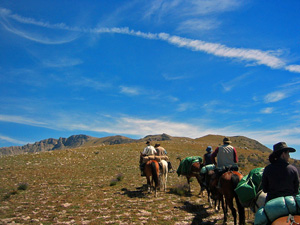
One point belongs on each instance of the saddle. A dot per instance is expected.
(219, 171)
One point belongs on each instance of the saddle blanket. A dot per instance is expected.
(155, 157)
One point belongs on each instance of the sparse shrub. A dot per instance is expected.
(7, 196)
(180, 189)
(113, 182)
(241, 158)
(120, 176)
(22, 186)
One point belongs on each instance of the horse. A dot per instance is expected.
(194, 172)
(163, 175)
(289, 220)
(151, 169)
(228, 182)
(206, 182)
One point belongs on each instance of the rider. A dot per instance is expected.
(207, 156)
(226, 157)
(148, 151)
(160, 152)
(280, 178)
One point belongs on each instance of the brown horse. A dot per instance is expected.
(151, 169)
(194, 172)
(290, 220)
(228, 182)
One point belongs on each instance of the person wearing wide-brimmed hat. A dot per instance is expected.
(226, 159)
(161, 151)
(280, 178)
(226, 155)
(149, 150)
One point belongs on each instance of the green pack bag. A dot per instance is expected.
(185, 164)
(249, 186)
(246, 191)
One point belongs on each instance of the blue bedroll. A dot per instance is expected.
(207, 168)
(277, 207)
(185, 164)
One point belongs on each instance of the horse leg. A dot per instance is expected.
(188, 181)
(148, 184)
(200, 184)
(217, 204)
(229, 201)
(166, 177)
(224, 207)
(241, 211)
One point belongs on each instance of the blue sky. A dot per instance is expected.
(135, 68)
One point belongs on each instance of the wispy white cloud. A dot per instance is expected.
(140, 127)
(128, 125)
(12, 140)
(62, 62)
(6, 15)
(196, 25)
(130, 90)
(160, 9)
(89, 83)
(174, 77)
(267, 110)
(259, 57)
(185, 106)
(275, 96)
(289, 134)
(293, 68)
(237, 81)
(21, 120)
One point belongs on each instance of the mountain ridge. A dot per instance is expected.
(81, 140)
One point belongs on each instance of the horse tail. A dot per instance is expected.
(235, 179)
(154, 173)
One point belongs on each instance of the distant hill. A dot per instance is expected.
(237, 141)
(81, 140)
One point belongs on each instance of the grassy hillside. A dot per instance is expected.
(102, 185)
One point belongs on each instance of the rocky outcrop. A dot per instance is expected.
(49, 144)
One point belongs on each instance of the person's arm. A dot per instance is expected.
(214, 155)
(204, 159)
(235, 158)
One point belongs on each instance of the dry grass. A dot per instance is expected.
(74, 187)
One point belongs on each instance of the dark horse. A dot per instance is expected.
(206, 182)
(151, 169)
(228, 182)
(194, 172)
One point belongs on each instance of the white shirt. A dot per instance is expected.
(149, 150)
